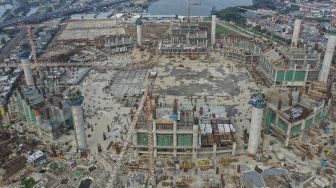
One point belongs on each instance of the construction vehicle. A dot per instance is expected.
(225, 162)
(317, 90)
(187, 165)
(203, 164)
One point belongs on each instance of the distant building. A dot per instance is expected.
(184, 39)
(291, 67)
(184, 129)
(36, 157)
(291, 114)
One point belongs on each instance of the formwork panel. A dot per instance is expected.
(142, 139)
(300, 75)
(280, 75)
(269, 119)
(309, 124)
(312, 75)
(164, 139)
(33, 117)
(318, 117)
(296, 129)
(289, 75)
(184, 139)
(282, 125)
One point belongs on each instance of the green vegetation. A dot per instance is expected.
(143, 3)
(263, 3)
(222, 31)
(235, 14)
(3, 41)
(47, 8)
(29, 183)
(232, 14)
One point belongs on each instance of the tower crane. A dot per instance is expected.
(144, 102)
(30, 34)
(190, 4)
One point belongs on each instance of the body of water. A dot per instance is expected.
(179, 7)
(3, 8)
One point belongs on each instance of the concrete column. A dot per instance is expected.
(284, 79)
(154, 139)
(329, 53)
(175, 138)
(288, 135)
(139, 35)
(314, 112)
(53, 112)
(255, 130)
(62, 115)
(294, 72)
(50, 133)
(26, 65)
(296, 32)
(38, 121)
(29, 114)
(275, 79)
(135, 143)
(214, 150)
(234, 148)
(77, 113)
(307, 71)
(195, 141)
(10, 108)
(213, 29)
(302, 129)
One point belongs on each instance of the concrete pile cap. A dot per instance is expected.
(258, 100)
(74, 98)
(23, 55)
(214, 11)
(138, 21)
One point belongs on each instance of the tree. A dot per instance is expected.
(232, 14)
(29, 183)
(3, 41)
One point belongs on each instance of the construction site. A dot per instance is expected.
(115, 103)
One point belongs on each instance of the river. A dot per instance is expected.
(179, 7)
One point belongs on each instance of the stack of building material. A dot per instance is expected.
(318, 90)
